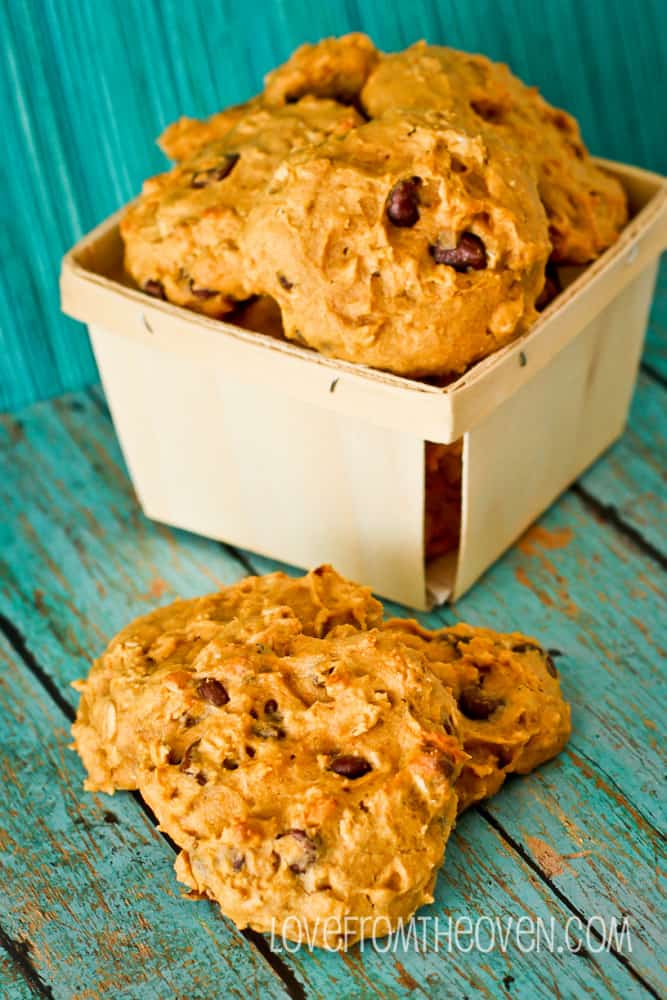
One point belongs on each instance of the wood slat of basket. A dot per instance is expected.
(103, 581)
(88, 891)
(655, 354)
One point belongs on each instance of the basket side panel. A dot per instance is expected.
(539, 440)
(253, 467)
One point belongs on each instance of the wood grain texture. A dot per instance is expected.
(14, 985)
(655, 353)
(86, 86)
(89, 893)
(79, 560)
(631, 479)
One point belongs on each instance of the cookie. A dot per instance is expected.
(442, 493)
(184, 137)
(308, 758)
(409, 244)
(512, 714)
(586, 207)
(334, 67)
(302, 759)
(182, 235)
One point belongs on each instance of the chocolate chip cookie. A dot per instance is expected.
(182, 235)
(513, 716)
(442, 497)
(335, 68)
(307, 758)
(586, 207)
(409, 243)
(303, 760)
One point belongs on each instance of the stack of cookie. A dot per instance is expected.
(308, 757)
(401, 211)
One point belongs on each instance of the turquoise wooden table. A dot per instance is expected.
(90, 906)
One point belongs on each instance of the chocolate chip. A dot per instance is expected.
(270, 707)
(285, 282)
(552, 670)
(186, 762)
(309, 850)
(174, 757)
(444, 762)
(202, 178)
(229, 764)
(237, 860)
(468, 254)
(254, 714)
(201, 778)
(403, 202)
(476, 705)
(349, 766)
(155, 288)
(213, 692)
(524, 647)
(202, 293)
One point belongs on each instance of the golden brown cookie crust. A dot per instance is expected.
(335, 68)
(184, 137)
(306, 776)
(586, 207)
(513, 716)
(183, 234)
(354, 284)
(307, 758)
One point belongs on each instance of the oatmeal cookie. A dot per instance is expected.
(184, 137)
(408, 244)
(513, 715)
(182, 235)
(586, 207)
(304, 776)
(334, 67)
(442, 497)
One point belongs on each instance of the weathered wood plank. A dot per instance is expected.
(43, 434)
(588, 591)
(13, 983)
(72, 530)
(88, 885)
(631, 478)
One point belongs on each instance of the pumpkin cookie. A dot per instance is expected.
(303, 760)
(409, 244)
(307, 758)
(334, 67)
(513, 716)
(442, 493)
(184, 137)
(182, 235)
(586, 207)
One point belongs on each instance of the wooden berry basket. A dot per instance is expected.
(272, 447)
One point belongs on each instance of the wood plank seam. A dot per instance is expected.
(654, 374)
(17, 641)
(609, 514)
(532, 864)
(19, 953)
